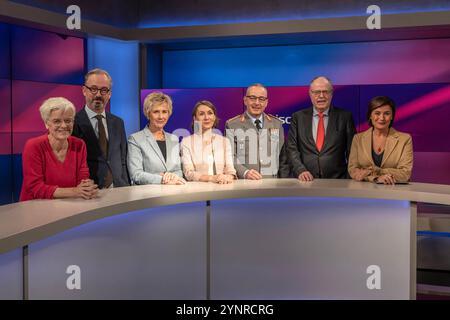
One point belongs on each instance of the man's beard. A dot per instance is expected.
(98, 104)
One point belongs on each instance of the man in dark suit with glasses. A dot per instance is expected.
(320, 137)
(103, 133)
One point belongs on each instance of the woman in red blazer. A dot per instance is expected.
(54, 164)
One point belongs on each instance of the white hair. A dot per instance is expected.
(57, 103)
(323, 77)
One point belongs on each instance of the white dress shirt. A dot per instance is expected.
(315, 123)
(92, 117)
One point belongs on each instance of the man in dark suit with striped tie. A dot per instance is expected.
(320, 137)
(103, 133)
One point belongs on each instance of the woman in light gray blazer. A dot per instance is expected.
(153, 154)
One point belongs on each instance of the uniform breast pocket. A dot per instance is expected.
(274, 136)
(241, 144)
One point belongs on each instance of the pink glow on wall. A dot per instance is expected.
(425, 103)
(411, 61)
(28, 97)
(46, 56)
(5, 117)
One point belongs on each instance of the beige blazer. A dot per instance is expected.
(195, 162)
(397, 158)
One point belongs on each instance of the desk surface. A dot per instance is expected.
(26, 222)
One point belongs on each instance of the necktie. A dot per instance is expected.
(258, 124)
(103, 142)
(320, 133)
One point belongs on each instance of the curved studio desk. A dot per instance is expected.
(269, 239)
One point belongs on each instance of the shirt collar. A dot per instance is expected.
(254, 119)
(91, 114)
(316, 113)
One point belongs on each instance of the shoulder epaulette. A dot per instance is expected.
(231, 119)
(270, 117)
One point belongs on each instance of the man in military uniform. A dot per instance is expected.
(257, 137)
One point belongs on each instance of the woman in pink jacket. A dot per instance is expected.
(207, 156)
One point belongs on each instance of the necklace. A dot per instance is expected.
(158, 135)
(378, 142)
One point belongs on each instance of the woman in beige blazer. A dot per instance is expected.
(205, 155)
(381, 154)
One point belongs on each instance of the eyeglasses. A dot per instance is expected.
(318, 92)
(254, 98)
(59, 122)
(94, 90)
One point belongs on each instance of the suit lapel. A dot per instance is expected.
(195, 144)
(169, 147)
(110, 125)
(308, 128)
(265, 129)
(89, 131)
(86, 122)
(269, 123)
(331, 128)
(270, 129)
(84, 117)
(366, 144)
(154, 145)
(391, 142)
(218, 151)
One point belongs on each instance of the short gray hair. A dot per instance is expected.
(255, 85)
(326, 78)
(155, 98)
(57, 103)
(98, 71)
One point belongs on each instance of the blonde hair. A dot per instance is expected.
(156, 98)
